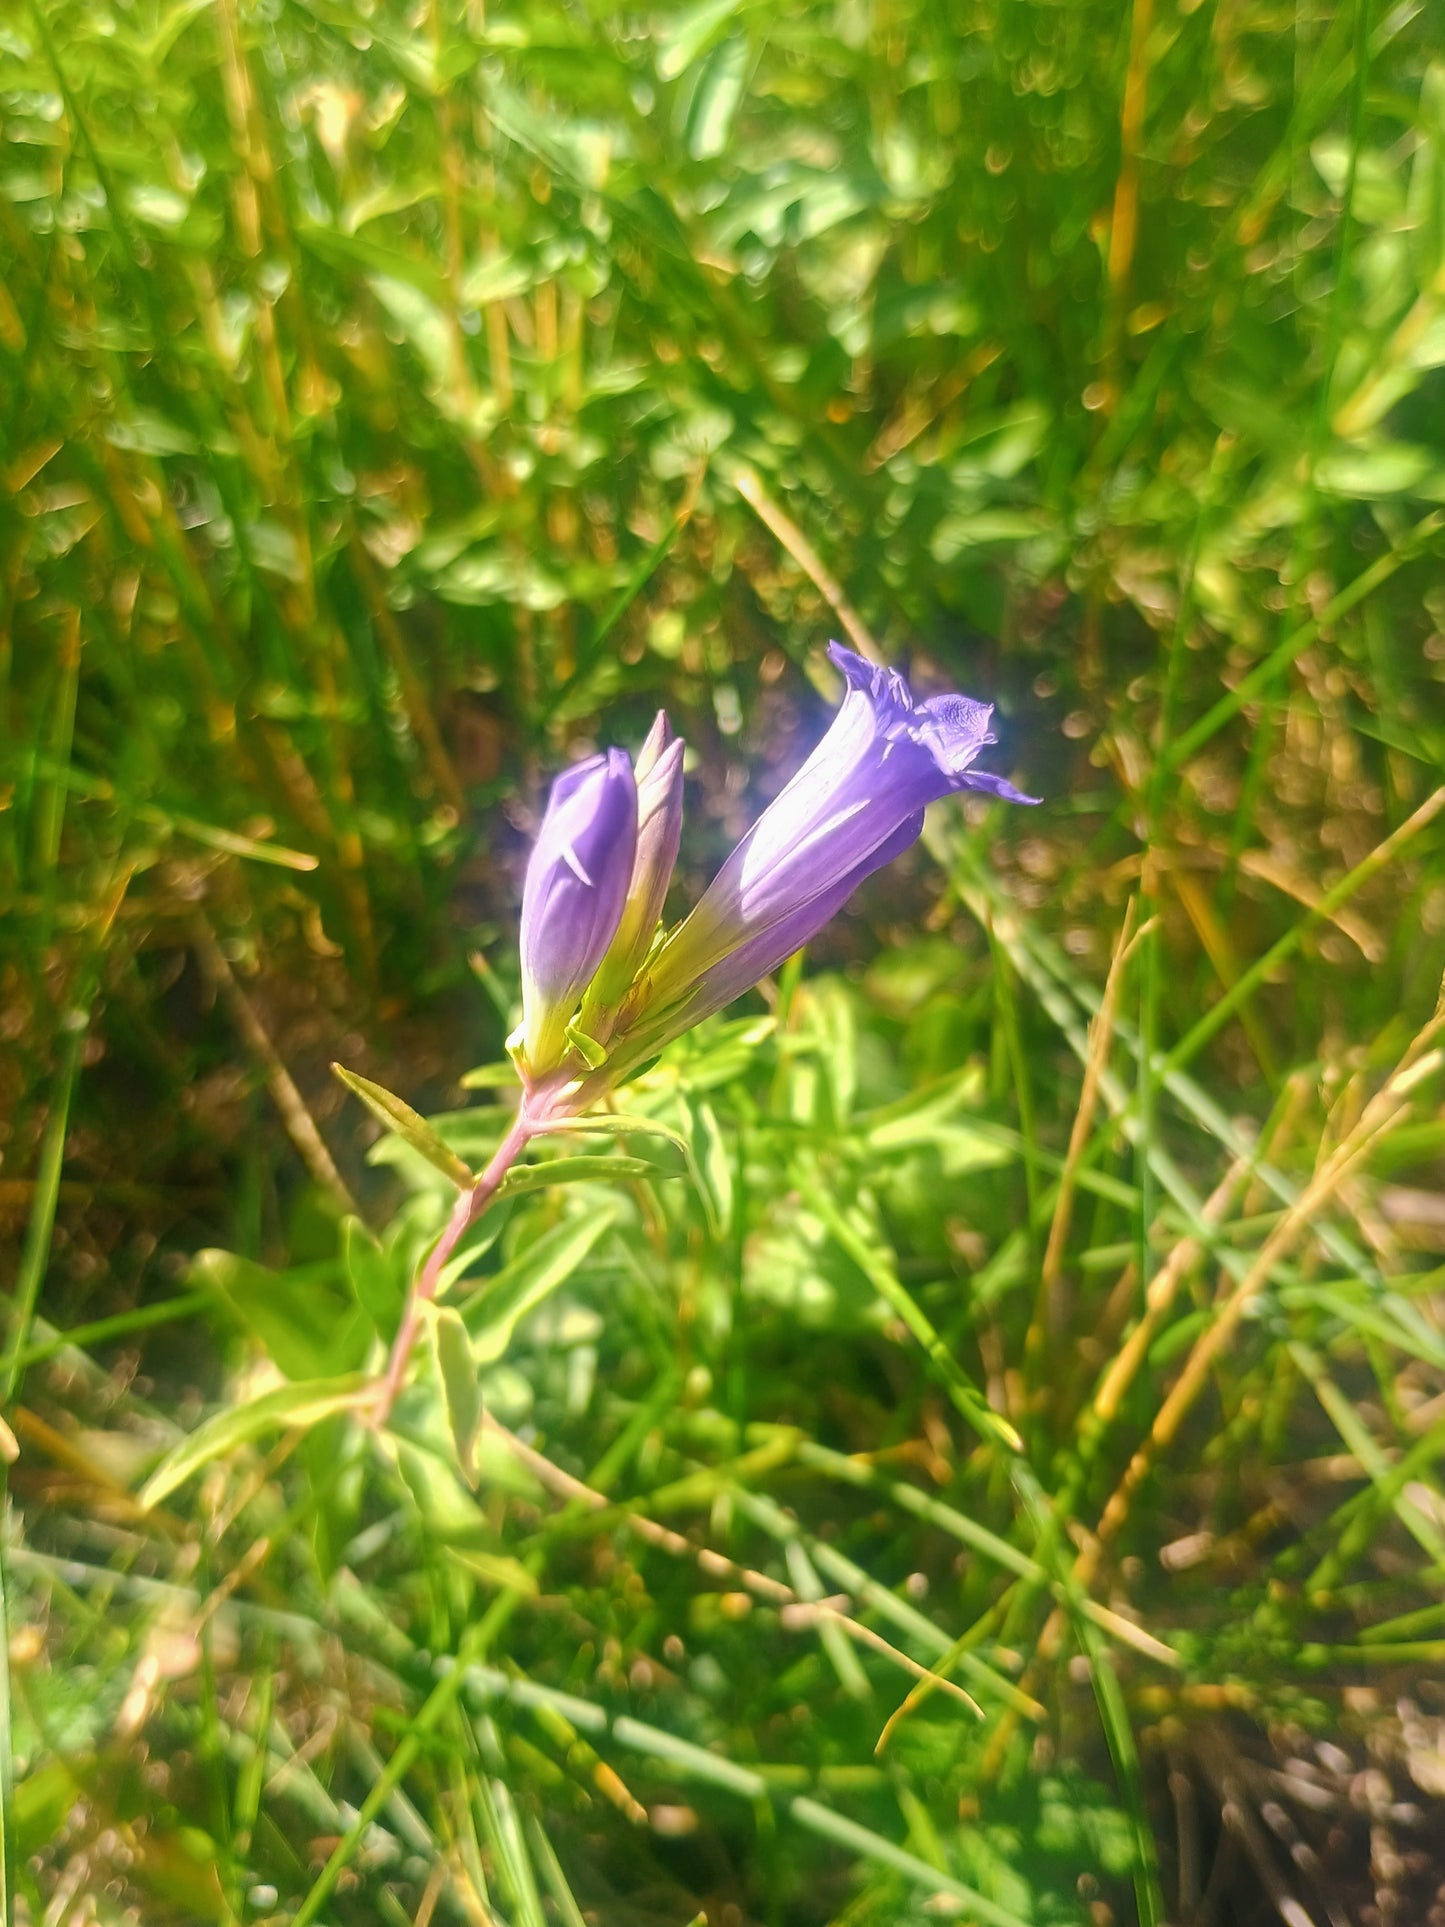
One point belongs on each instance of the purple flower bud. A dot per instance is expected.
(856, 803)
(658, 774)
(573, 899)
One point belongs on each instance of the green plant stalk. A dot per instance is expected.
(1308, 521)
(488, 1685)
(473, 1648)
(100, 1329)
(469, 1207)
(27, 1293)
(42, 1215)
(1298, 640)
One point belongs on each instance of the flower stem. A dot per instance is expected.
(469, 1207)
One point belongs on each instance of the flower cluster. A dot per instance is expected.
(603, 986)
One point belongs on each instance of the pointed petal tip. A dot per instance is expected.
(655, 745)
(858, 670)
(978, 779)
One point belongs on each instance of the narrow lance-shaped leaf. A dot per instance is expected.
(413, 1129)
(304, 1404)
(494, 1313)
(628, 1123)
(378, 1290)
(302, 1317)
(616, 1124)
(460, 1376)
(583, 1170)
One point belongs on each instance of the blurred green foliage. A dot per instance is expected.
(396, 400)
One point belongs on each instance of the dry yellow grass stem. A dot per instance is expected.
(1161, 1293)
(1293, 883)
(301, 1127)
(1101, 1037)
(1375, 1120)
(805, 555)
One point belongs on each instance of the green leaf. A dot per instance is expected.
(927, 1118)
(877, 1267)
(496, 1569)
(1381, 469)
(413, 1129)
(304, 1322)
(303, 1404)
(712, 1160)
(719, 1054)
(629, 1123)
(460, 1377)
(593, 1054)
(339, 249)
(715, 99)
(617, 1124)
(171, 25)
(143, 432)
(495, 1312)
(583, 1170)
(379, 1291)
(689, 33)
(42, 1800)
(981, 527)
(497, 277)
(491, 1077)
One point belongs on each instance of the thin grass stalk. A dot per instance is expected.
(1379, 1116)
(1044, 1322)
(301, 1127)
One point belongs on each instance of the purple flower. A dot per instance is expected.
(573, 899)
(658, 774)
(855, 804)
(762, 954)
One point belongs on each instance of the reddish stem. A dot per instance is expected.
(469, 1207)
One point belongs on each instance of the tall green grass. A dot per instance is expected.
(395, 401)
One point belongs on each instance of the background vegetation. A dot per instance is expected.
(399, 399)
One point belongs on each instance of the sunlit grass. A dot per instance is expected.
(394, 403)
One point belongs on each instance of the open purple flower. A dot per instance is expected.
(855, 804)
(577, 885)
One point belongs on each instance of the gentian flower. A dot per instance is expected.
(573, 899)
(658, 775)
(600, 995)
(855, 804)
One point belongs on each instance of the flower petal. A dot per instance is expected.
(658, 775)
(573, 898)
(856, 802)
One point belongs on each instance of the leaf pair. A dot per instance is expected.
(423, 1138)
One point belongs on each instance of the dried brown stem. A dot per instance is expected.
(301, 1127)
(1101, 1035)
(806, 556)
